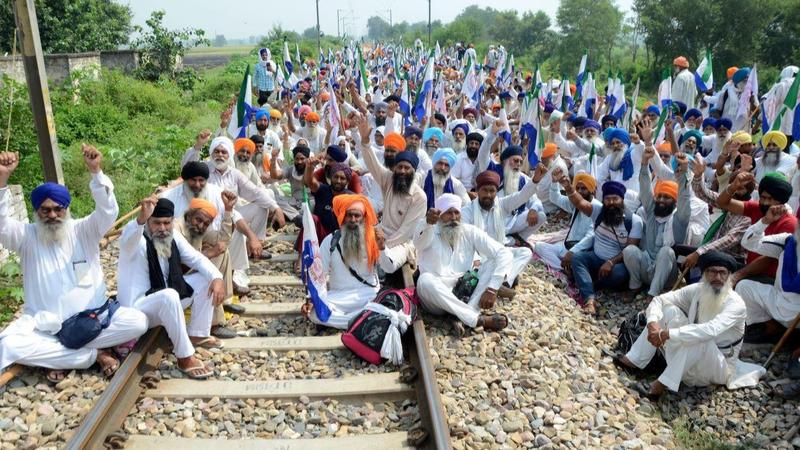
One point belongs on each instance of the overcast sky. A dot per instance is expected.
(243, 18)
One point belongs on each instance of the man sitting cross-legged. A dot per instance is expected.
(349, 260)
(446, 250)
(152, 281)
(699, 329)
(61, 275)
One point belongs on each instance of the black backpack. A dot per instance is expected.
(629, 331)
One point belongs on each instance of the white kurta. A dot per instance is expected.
(165, 307)
(441, 266)
(697, 354)
(346, 296)
(464, 170)
(62, 279)
(684, 88)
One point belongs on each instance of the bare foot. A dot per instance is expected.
(55, 376)
(495, 322)
(590, 307)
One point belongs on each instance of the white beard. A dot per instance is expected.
(510, 180)
(771, 160)
(459, 146)
(312, 132)
(53, 233)
(438, 183)
(220, 164)
(710, 302)
(163, 246)
(450, 235)
(241, 166)
(351, 243)
(616, 159)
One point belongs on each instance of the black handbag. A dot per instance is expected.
(466, 285)
(84, 327)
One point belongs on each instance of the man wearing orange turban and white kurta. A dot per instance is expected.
(683, 84)
(543, 175)
(349, 259)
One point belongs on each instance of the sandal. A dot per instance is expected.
(590, 308)
(107, 362)
(458, 328)
(208, 342)
(56, 376)
(490, 323)
(123, 350)
(222, 332)
(192, 373)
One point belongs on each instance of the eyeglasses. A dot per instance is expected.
(44, 210)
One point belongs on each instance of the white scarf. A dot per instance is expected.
(668, 237)
(392, 347)
(499, 232)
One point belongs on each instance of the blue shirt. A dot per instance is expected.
(263, 80)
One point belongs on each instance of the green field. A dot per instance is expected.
(227, 50)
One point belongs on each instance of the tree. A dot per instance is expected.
(310, 33)
(591, 25)
(378, 29)
(781, 43)
(69, 26)
(160, 47)
(220, 41)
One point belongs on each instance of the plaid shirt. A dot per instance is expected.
(729, 236)
(263, 80)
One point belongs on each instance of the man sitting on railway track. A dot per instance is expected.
(404, 202)
(152, 281)
(255, 213)
(349, 260)
(62, 275)
(195, 224)
(446, 251)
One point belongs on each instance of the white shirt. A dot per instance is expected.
(504, 207)
(684, 88)
(464, 170)
(133, 263)
(63, 278)
(436, 257)
(339, 277)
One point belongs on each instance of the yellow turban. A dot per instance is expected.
(203, 205)
(742, 137)
(775, 137)
(274, 114)
(587, 180)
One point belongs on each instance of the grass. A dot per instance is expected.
(11, 294)
(695, 439)
(227, 50)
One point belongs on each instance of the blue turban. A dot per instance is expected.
(511, 150)
(579, 122)
(693, 113)
(431, 132)
(445, 153)
(549, 107)
(681, 106)
(696, 135)
(464, 127)
(723, 122)
(409, 157)
(619, 133)
(593, 124)
(54, 192)
(653, 109)
(741, 75)
(412, 131)
(709, 122)
(337, 154)
(613, 188)
(261, 114)
(607, 134)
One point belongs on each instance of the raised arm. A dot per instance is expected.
(12, 231)
(725, 199)
(378, 171)
(308, 175)
(645, 186)
(754, 239)
(106, 209)
(580, 203)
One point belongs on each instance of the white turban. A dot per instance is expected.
(225, 142)
(447, 201)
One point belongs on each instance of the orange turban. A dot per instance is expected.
(587, 180)
(395, 140)
(312, 117)
(244, 143)
(324, 97)
(681, 61)
(344, 202)
(669, 188)
(550, 149)
(572, 89)
(731, 71)
(203, 205)
(664, 147)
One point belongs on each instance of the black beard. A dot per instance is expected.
(388, 162)
(487, 205)
(472, 154)
(742, 197)
(764, 208)
(402, 183)
(612, 215)
(261, 127)
(662, 210)
(380, 121)
(299, 168)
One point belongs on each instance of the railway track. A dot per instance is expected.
(137, 386)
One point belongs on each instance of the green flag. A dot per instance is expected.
(788, 104)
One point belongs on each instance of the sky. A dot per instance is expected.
(251, 17)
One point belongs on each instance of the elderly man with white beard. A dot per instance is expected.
(542, 175)
(489, 213)
(459, 132)
(244, 149)
(311, 132)
(528, 218)
(62, 276)
(438, 181)
(255, 213)
(774, 158)
(446, 251)
(349, 260)
(623, 163)
(699, 330)
(150, 257)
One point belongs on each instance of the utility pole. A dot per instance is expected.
(429, 23)
(319, 45)
(338, 33)
(38, 92)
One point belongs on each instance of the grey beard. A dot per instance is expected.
(450, 234)
(220, 164)
(438, 183)
(459, 146)
(241, 165)
(312, 132)
(711, 300)
(351, 244)
(53, 233)
(510, 180)
(771, 159)
(189, 193)
(616, 159)
(163, 246)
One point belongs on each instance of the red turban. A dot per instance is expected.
(312, 117)
(343, 202)
(488, 177)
